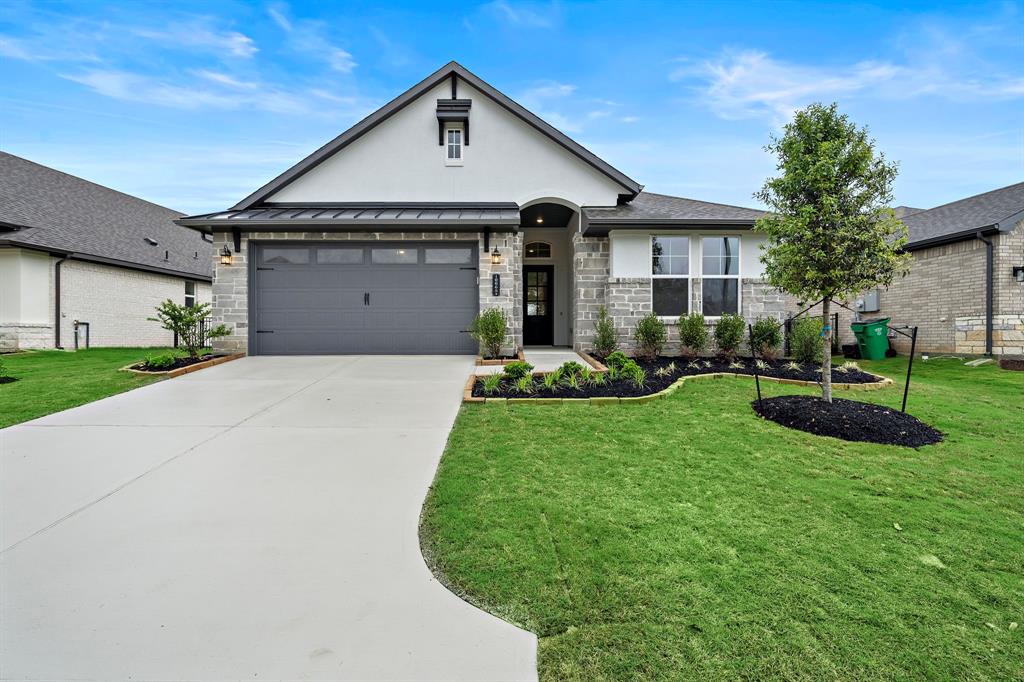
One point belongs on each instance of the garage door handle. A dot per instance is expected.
(366, 299)
(467, 268)
(263, 331)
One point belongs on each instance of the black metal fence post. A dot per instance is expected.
(753, 355)
(910, 366)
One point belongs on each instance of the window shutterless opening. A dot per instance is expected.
(453, 146)
(190, 294)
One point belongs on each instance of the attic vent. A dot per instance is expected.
(151, 241)
(453, 111)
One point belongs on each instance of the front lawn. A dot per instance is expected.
(688, 538)
(53, 380)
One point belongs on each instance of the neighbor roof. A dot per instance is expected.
(997, 210)
(649, 209)
(374, 215)
(451, 68)
(44, 209)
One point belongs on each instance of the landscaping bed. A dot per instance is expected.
(658, 375)
(848, 420)
(177, 363)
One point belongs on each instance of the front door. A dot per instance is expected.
(538, 305)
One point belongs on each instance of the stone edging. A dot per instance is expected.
(170, 374)
(481, 362)
(468, 397)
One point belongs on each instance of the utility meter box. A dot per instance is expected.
(871, 302)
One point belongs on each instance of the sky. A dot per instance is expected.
(193, 105)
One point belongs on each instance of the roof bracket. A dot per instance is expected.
(236, 234)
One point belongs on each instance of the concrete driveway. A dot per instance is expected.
(255, 520)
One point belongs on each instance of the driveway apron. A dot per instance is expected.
(255, 520)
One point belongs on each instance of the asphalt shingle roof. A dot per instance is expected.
(64, 213)
(649, 206)
(999, 207)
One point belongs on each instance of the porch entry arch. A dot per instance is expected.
(548, 225)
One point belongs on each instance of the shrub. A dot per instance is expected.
(516, 370)
(605, 341)
(650, 335)
(551, 380)
(693, 335)
(616, 360)
(525, 384)
(570, 367)
(805, 340)
(3, 369)
(161, 362)
(634, 374)
(187, 323)
(491, 383)
(489, 329)
(729, 334)
(765, 338)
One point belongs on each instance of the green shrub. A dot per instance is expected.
(570, 367)
(765, 338)
(161, 361)
(729, 334)
(526, 385)
(605, 341)
(3, 368)
(516, 370)
(551, 380)
(634, 374)
(616, 360)
(187, 323)
(490, 329)
(693, 335)
(491, 383)
(805, 342)
(650, 335)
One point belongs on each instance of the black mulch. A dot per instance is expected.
(180, 362)
(654, 382)
(8, 380)
(848, 420)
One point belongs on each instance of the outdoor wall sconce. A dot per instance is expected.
(495, 256)
(225, 255)
(1018, 273)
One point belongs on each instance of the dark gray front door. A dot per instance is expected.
(355, 297)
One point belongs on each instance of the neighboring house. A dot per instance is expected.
(452, 199)
(79, 259)
(965, 290)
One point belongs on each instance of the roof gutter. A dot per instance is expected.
(952, 238)
(56, 299)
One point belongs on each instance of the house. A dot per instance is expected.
(965, 290)
(452, 199)
(82, 264)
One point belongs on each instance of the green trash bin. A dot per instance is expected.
(872, 337)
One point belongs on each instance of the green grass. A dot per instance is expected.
(51, 381)
(688, 539)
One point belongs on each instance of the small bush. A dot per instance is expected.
(616, 360)
(605, 341)
(634, 374)
(3, 368)
(729, 334)
(490, 329)
(525, 385)
(570, 367)
(765, 338)
(516, 370)
(693, 335)
(650, 335)
(188, 322)
(552, 380)
(805, 340)
(161, 362)
(491, 383)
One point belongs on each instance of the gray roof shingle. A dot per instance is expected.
(998, 209)
(51, 210)
(660, 209)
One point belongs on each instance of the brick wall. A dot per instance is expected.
(116, 302)
(231, 282)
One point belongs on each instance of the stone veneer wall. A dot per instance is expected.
(231, 282)
(1007, 335)
(590, 264)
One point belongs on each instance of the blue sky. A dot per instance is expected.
(195, 104)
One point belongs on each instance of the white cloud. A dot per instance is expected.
(225, 79)
(529, 15)
(306, 36)
(548, 90)
(277, 12)
(197, 34)
(341, 61)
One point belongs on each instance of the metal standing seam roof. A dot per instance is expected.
(997, 210)
(47, 210)
(362, 215)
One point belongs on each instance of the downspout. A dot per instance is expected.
(989, 292)
(56, 301)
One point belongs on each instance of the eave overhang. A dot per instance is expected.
(601, 228)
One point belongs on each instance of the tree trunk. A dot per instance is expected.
(826, 351)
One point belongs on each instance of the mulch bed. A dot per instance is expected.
(179, 363)
(1011, 363)
(848, 420)
(625, 389)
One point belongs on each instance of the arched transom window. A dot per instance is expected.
(538, 250)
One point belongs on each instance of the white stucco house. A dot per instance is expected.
(82, 264)
(452, 199)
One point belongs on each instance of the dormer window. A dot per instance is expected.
(453, 146)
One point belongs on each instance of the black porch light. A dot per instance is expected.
(496, 256)
(1018, 273)
(225, 255)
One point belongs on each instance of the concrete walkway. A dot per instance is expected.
(543, 359)
(256, 520)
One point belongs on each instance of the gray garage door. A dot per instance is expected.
(382, 298)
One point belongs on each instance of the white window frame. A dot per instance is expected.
(192, 295)
(738, 276)
(688, 276)
(448, 129)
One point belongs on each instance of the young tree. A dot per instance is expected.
(830, 231)
(187, 323)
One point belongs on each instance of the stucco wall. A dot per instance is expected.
(401, 160)
(631, 251)
(26, 317)
(231, 282)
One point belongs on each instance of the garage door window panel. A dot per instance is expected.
(282, 256)
(449, 256)
(331, 256)
(398, 256)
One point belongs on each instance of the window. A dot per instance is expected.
(394, 256)
(331, 256)
(448, 256)
(720, 268)
(670, 272)
(538, 250)
(285, 255)
(537, 287)
(190, 294)
(453, 146)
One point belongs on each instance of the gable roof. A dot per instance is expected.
(996, 210)
(649, 209)
(44, 209)
(631, 187)
(904, 211)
